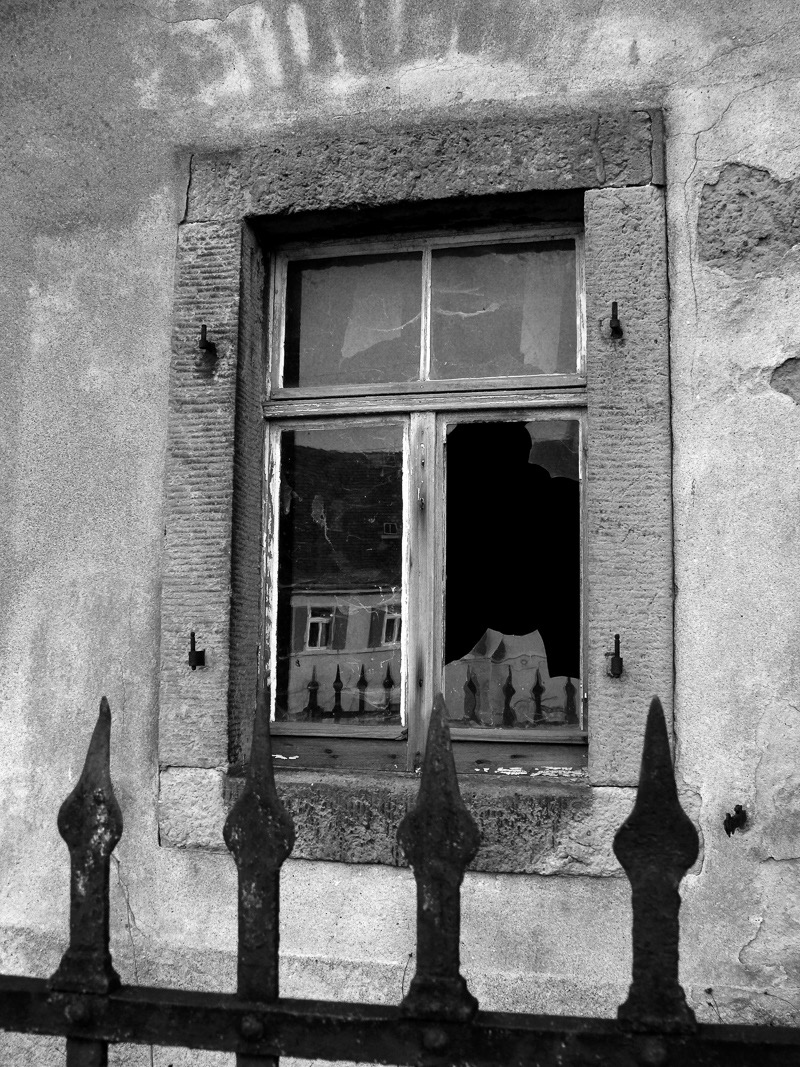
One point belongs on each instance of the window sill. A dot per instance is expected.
(529, 824)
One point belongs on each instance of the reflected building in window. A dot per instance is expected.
(339, 575)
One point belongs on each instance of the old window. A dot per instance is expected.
(426, 435)
(602, 175)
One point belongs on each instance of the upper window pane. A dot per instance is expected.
(353, 319)
(500, 310)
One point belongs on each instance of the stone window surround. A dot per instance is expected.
(214, 477)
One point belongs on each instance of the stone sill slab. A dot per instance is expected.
(544, 826)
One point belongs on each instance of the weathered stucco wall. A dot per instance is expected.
(100, 101)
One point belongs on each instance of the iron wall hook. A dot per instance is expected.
(209, 346)
(615, 660)
(197, 657)
(614, 324)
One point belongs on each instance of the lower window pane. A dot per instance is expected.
(513, 589)
(339, 574)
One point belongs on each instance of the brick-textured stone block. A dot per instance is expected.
(191, 812)
(196, 587)
(501, 151)
(629, 510)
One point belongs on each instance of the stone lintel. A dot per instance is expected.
(312, 167)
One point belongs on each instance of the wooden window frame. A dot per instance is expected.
(427, 407)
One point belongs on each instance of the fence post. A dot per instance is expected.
(439, 838)
(90, 821)
(656, 845)
(260, 834)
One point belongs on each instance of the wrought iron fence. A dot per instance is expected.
(438, 1021)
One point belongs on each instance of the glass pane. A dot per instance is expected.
(353, 319)
(339, 574)
(512, 602)
(504, 310)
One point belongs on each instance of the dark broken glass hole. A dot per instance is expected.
(512, 598)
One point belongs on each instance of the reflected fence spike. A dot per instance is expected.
(509, 715)
(536, 692)
(470, 698)
(312, 710)
(439, 838)
(656, 846)
(90, 821)
(570, 707)
(361, 686)
(338, 686)
(388, 686)
(259, 832)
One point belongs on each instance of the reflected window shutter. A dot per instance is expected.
(339, 635)
(376, 617)
(299, 622)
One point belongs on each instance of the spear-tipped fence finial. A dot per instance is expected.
(260, 833)
(90, 821)
(656, 846)
(439, 838)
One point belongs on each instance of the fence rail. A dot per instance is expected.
(438, 1021)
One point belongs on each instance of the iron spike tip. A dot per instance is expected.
(97, 765)
(95, 783)
(656, 753)
(438, 740)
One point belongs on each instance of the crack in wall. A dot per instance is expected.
(130, 924)
(184, 22)
(188, 189)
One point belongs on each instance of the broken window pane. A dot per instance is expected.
(353, 319)
(339, 574)
(513, 582)
(501, 310)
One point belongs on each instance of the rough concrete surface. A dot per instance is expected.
(102, 105)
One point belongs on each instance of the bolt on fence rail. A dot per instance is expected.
(438, 1022)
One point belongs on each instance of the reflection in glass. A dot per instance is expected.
(504, 310)
(512, 599)
(353, 319)
(339, 612)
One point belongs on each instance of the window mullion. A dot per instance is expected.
(420, 585)
(272, 466)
